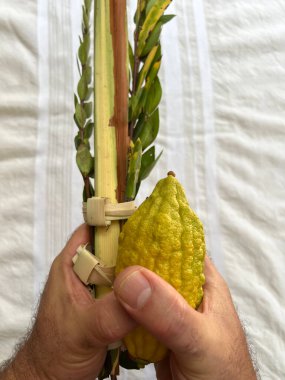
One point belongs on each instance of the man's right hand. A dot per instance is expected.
(208, 344)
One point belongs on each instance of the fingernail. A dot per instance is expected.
(134, 290)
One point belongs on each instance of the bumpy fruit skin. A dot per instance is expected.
(165, 236)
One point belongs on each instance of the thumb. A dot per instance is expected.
(158, 307)
(106, 321)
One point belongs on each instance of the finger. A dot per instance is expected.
(212, 275)
(157, 306)
(217, 298)
(62, 267)
(80, 236)
(107, 321)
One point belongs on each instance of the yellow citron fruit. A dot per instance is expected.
(165, 236)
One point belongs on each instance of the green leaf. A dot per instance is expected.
(91, 173)
(142, 5)
(82, 54)
(84, 160)
(85, 18)
(83, 30)
(87, 74)
(152, 74)
(136, 104)
(136, 17)
(77, 140)
(133, 105)
(83, 50)
(147, 159)
(147, 66)
(152, 18)
(86, 42)
(78, 66)
(75, 100)
(89, 92)
(149, 130)
(154, 97)
(134, 170)
(138, 186)
(88, 130)
(82, 89)
(86, 142)
(139, 126)
(80, 115)
(88, 108)
(148, 162)
(76, 122)
(140, 8)
(87, 4)
(142, 100)
(131, 58)
(166, 18)
(150, 4)
(158, 54)
(153, 39)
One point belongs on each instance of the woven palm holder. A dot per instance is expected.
(99, 212)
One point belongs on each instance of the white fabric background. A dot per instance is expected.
(222, 132)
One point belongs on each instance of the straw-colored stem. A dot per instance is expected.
(106, 240)
(111, 120)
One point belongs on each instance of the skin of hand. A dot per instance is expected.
(72, 330)
(208, 344)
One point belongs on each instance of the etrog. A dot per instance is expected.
(165, 236)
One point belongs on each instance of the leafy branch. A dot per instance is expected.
(143, 118)
(145, 90)
(84, 106)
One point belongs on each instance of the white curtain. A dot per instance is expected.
(222, 131)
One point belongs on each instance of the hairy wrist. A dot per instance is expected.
(17, 369)
(22, 366)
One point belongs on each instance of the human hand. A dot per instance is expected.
(72, 330)
(208, 344)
